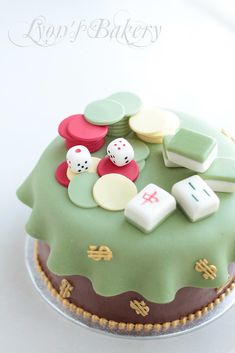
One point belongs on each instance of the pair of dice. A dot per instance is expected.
(120, 153)
(153, 205)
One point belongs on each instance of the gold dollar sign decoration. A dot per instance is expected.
(98, 253)
(140, 307)
(208, 271)
(65, 288)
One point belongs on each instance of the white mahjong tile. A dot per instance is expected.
(150, 207)
(195, 197)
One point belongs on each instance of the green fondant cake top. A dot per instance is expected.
(192, 144)
(222, 169)
(156, 265)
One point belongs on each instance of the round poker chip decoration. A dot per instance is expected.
(113, 191)
(104, 112)
(152, 124)
(80, 190)
(92, 147)
(130, 171)
(132, 104)
(130, 101)
(61, 174)
(76, 130)
(80, 129)
(70, 174)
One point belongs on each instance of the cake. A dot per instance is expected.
(98, 253)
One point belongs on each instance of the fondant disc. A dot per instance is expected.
(70, 174)
(61, 174)
(94, 165)
(81, 188)
(131, 170)
(150, 139)
(114, 191)
(141, 165)
(92, 147)
(80, 129)
(62, 129)
(104, 112)
(140, 148)
(131, 102)
(153, 121)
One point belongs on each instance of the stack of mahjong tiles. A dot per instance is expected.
(194, 195)
(152, 124)
(191, 149)
(114, 111)
(198, 152)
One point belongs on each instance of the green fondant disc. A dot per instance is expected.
(119, 127)
(140, 148)
(80, 190)
(131, 102)
(104, 112)
(122, 123)
(118, 133)
(141, 165)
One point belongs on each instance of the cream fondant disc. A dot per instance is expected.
(113, 191)
(70, 174)
(93, 167)
(150, 139)
(154, 121)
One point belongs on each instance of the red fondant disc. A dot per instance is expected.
(62, 129)
(92, 147)
(131, 170)
(70, 143)
(61, 174)
(80, 129)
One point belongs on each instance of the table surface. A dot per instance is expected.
(190, 68)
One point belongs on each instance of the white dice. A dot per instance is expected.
(195, 197)
(149, 208)
(79, 159)
(120, 152)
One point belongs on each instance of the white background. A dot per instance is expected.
(190, 68)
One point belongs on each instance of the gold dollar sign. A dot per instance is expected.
(140, 307)
(65, 288)
(98, 253)
(209, 271)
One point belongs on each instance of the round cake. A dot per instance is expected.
(121, 262)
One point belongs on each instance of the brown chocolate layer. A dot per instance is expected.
(187, 300)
